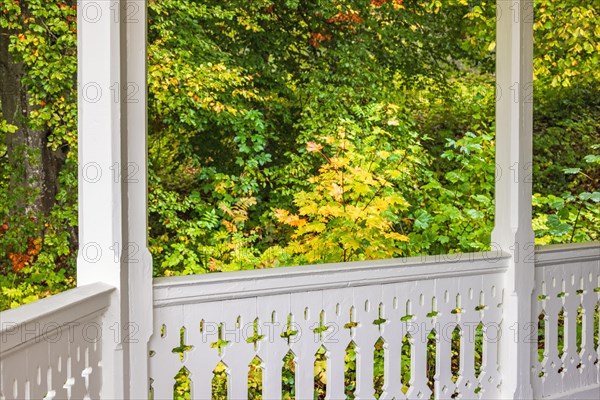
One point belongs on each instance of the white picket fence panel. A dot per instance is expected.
(51, 349)
(406, 297)
(567, 299)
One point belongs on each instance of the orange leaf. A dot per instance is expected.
(19, 260)
(313, 147)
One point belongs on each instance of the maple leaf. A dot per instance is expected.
(313, 147)
(397, 236)
(285, 217)
(337, 191)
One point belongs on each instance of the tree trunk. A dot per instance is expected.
(33, 165)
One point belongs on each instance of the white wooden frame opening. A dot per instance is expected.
(113, 174)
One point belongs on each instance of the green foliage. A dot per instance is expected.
(567, 47)
(37, 252)
(571, 217)
(37, 261)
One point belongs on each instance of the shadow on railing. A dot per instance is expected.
(52, 348)
(566, 313)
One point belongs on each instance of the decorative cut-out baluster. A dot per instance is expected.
(432, 339)
(28, 390)
(552, 304)
(587, 354)
(274, 310)
(445, 322)
(165, 364)
(49, 396)
(85, 374)
(320, 374)
(542, 350)
(597, 332)
(579, 330)
(68, 386)
(255, 381)
(365, 336)
(350, 370)
(335, 339)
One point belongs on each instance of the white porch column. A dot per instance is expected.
(112, 184)
(513, 232)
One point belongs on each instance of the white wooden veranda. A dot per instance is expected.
(113, 336)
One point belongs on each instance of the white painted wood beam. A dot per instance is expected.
(513, 232)
(112, 183)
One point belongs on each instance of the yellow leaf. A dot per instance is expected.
(397, 236)
(337, 191)
(383, 154)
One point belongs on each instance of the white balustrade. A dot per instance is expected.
(51, 349)
(440, 317)
(565, 307)
(236, 318)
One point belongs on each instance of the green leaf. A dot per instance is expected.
(592, 158)
(423, 219)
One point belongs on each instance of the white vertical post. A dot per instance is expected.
(134, 97)
(513, 232)
(112, 184)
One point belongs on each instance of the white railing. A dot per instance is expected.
(442, 313)
(51, 349)
(391, 329)
(566, 303)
